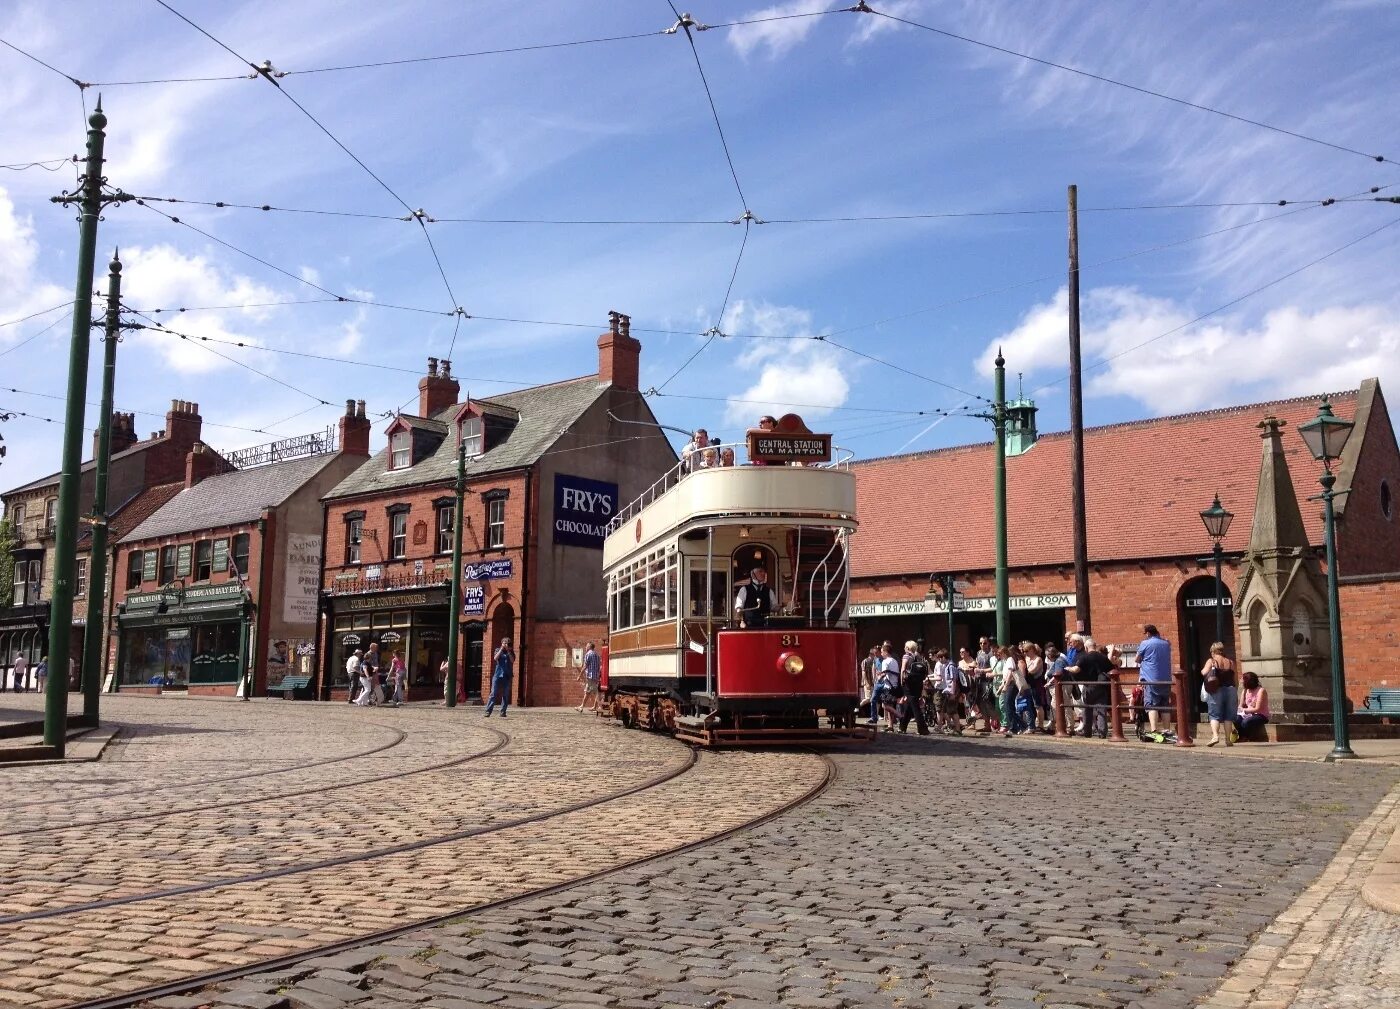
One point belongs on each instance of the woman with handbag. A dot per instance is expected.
(1220, 693)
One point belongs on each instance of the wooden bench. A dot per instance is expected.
(291, 685)
(1380, 702)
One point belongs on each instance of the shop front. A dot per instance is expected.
(1039, 618)
(411, 623)
(180, 638)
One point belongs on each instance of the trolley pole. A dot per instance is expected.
(1003, 581)
(455, 594)
(97, 561)
(66, 527)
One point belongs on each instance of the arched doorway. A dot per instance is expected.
(1198, 603)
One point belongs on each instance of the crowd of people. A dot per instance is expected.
(1013, 689)
(24, 677)
(704, 452)
(372, 682)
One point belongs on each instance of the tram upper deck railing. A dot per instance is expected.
(673, 476)
(781, 494)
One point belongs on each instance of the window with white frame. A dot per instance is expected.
(354, 532)
(16, 521)
(471, 437)
(496, 523)
(80, 577)
(50, 514)
(27, 581)
(398, 535)
(400, 450)
(444, 529)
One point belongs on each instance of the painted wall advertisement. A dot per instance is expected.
(473, 600)
(485, 571)
(582, 510)
(303, 579)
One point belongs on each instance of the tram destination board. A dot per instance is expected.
(785, 446)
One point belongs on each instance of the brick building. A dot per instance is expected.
(546, 469)
(226, 571)
(136, 467)
(1146, 482)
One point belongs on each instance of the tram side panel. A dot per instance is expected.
(811, 664)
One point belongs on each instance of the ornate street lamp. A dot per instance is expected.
(1217, 522)
(1326, 435)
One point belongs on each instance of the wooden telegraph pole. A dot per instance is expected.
(1076, 427)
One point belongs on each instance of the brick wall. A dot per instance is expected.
(1370, 635)
(1368, 543)
(549, 685)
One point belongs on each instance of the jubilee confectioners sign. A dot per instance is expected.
(979, 604)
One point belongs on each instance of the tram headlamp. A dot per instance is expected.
(791, 663)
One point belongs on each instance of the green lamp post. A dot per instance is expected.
(1326, 435)
(1217, 522)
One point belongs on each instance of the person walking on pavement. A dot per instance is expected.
(1222, 695)
(352, 673)
(591, 672)
(1154, 658)
(41, 674)
(913, 670)
(21, 674)
(397, 675)
(500, 678)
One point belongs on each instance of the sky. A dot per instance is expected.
(835, 115)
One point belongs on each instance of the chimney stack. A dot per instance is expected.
(619, 354)
(123, 433)
(436, 392)
(201, 463)
(354, 429)
(183, 424)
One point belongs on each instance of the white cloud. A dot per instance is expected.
(792, 374)
(1290, 351)
(22, 292)
(777, 36)
(872, 25)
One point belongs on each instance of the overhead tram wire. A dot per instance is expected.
(57, 163)
(141, 413)
(711, 222)
(31, 416)
(864, 7)
(156, 324)
(35, 315)
(1220, 308)
(884, 411)
(31, 338)
(49, 66)
(267, 73)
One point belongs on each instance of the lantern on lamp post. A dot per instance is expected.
(1217, 522)
(1325, 436)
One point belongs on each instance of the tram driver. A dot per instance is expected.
(756, 600)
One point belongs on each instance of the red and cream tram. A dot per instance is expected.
(689, 652)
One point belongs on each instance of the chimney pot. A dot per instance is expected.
(625, 324)
(359, 408)
(349, 408)
(432, 367)
(446, 369)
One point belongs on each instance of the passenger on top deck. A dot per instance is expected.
(689, 459)
(765, 423)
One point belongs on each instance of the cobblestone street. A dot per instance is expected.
(930, 872)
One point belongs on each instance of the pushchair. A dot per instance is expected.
(1137, 708)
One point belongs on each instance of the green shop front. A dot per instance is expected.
(182, 637)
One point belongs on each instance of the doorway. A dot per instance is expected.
(1199, 601)
(475, 638)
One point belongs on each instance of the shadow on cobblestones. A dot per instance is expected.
(927, 876)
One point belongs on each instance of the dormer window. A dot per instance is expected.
(400, 450)
(471, 436)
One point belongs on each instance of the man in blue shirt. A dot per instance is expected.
(590, 673)
(1154, 657)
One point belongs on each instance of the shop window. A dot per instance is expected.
(472, 437)
(380, 621)
(167, 565)
(80, 577)
(495, 523)
(203, 560)
(400, 618)
(240, 554)
(342, 623)
(354, 532)
(444, 530)
(400, 450)
(360, 623)
(398, 534)
(133, 569)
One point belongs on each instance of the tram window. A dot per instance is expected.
(673, 601)
(719, 593)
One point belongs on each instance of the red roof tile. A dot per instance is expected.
(1145, 485)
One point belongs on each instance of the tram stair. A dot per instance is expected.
(820, 572)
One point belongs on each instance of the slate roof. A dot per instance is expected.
(423, 423)
(546, 412)
(1146, 483)
(132, 513)
(230, 498)
(52, 479)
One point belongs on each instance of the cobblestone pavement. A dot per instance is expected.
(934, 873)
(1330, 949)
(513, 805)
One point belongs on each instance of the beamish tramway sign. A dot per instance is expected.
(980, 604)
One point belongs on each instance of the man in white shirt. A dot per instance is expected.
(352, 672)
(755, 601)
(694, 456)
(21, 674)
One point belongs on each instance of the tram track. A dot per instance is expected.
(501, 742)
(361, 855)
(398, 738)
(269, 964)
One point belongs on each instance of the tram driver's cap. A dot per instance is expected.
(760, 570)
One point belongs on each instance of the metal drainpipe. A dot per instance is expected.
(524, 650)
